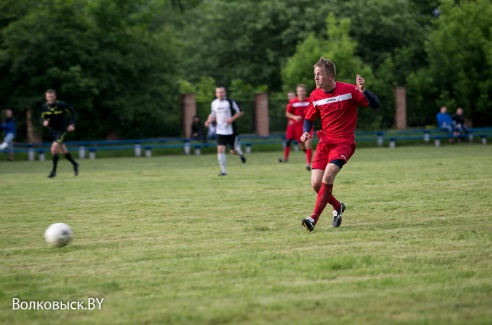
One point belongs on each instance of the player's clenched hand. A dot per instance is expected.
(360, 82)
(70, 128)
(46, 123)
(305, 136)
(209, 120)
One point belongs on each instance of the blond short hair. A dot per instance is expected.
(326, 64)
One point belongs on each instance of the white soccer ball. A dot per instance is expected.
(58, 234)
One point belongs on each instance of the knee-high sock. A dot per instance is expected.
(69, 158)
(309, 156)
(324, 197)
(55, 162)
(286, 153)
(237, 147)
(221, 157)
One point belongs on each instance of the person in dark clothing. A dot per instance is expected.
(59, 117)
(459, 123)
(197, 130)
(8, 126)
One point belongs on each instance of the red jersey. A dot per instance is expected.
(297, 107)
(337, 110)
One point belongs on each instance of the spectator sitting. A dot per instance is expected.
(444, 121)
(459, 123)
(9, 128)
(196, 130)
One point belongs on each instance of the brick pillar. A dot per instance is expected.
(32, 137)
(401, 108)
(188, 111)
(262, 122)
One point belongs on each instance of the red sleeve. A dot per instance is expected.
(359, 97)
(311, 111)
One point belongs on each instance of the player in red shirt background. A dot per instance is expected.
(289, 131)
(295, 111)
(335, 103)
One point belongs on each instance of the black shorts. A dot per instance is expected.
(227, 140)
(58, 135)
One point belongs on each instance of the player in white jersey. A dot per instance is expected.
(225, 112)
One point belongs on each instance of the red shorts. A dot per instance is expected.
(290, 133)
(327, 151)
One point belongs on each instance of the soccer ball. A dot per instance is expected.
(58, 234)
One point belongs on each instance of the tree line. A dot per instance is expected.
(123, 64)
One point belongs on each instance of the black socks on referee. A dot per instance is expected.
(69, 158)
(55, 158)
(55, 162)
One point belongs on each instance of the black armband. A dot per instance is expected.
(308, 125)
(373, 100)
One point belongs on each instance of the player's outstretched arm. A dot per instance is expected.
(209, 120)
(372, 100)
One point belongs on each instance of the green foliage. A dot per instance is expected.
(123, 64)
(241, 89)
(458, 50)
(337, 46)
(136, 72)
(382, 26)
(186, 87)
(299, 67)
(340, 48)
(237, 40)
(100, 58)
(205, 90)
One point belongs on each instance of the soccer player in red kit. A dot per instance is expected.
(336, 104)
(295, 111)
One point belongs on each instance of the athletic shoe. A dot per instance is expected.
(76, 169)
(281, 160)
(52, 175)
(222, 174)
(337, 215)
(308, 223)
(243, 159)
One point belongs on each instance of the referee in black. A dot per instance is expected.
(60, 118)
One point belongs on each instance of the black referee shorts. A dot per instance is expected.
(227, 140)
(58, 135)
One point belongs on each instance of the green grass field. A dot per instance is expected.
(164, 240)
